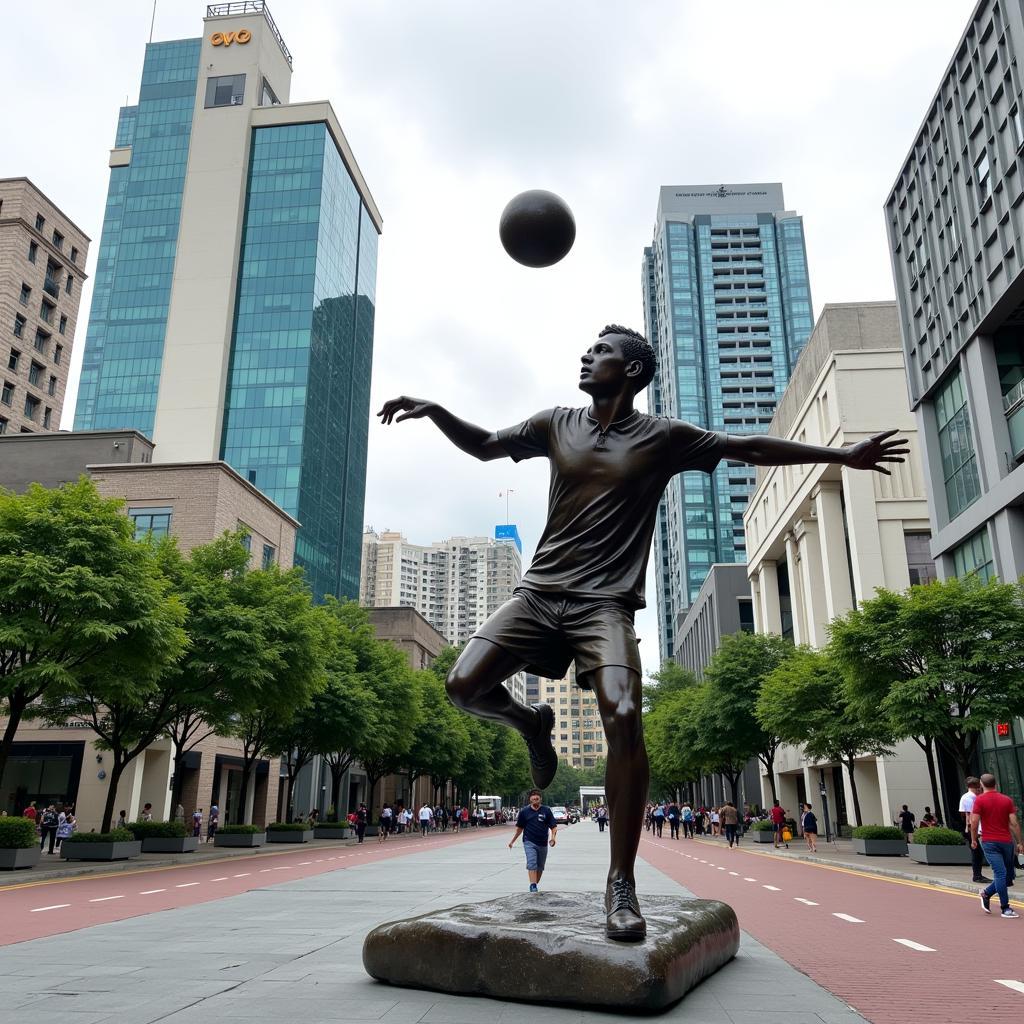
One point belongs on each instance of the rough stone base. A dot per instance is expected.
(548, 948)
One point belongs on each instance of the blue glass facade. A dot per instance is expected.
(728, 309)
(132, 287)
(297, 402)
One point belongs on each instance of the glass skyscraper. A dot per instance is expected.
(727, 305)
(234, 301)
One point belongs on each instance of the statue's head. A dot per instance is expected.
(618, 358)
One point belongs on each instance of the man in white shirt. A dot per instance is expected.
(966, 806)
(426, 816)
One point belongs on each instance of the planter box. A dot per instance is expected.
(928, 854)
(882, 847)
(290, 836)
(254, 839)
(186, 844)
(99, 851)
(333, 833)
(27, 857)
(762, 836)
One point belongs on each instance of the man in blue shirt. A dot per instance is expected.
(533, 824)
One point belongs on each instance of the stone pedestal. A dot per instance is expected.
(551, 948)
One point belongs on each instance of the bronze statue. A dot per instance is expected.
(610, 464)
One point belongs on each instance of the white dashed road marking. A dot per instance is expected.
(264, 871)
(736, 873)
(1017, 986)
(223, 878)
(749, 879)
(149, 892)
(304, 863)
(56, 906)
(809, 903)
(774, 888)
(911, 944)
(847, 917)
(185, 885)
(103, 899)
(244, 874)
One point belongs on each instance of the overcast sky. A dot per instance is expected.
(453, 107)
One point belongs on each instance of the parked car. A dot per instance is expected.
(561, 815)
(574, 815)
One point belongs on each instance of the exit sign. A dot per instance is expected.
(1002, 728)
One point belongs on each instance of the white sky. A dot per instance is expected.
(453, 107)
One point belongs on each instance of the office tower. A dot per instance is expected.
(727, 305)
(233, 309)
(42, 269)
(955, 219)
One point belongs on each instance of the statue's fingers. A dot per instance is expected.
(885, 433)
(892, 458)
(880, 469)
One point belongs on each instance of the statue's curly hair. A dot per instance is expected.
(635, 346)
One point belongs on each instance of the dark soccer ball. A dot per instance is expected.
(537, 228)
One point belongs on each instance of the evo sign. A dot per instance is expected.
(241, 36)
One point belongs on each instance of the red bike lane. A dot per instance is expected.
(895, 950)
(37, 908)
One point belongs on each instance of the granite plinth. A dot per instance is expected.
(551, 948)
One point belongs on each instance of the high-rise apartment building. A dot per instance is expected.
(955, 218)
(233, 310)
(42, 270)
(727, 305)
(578, 735)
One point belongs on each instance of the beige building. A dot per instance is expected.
(578, 735)
(195, 503)
(821, 538)
(42, 270)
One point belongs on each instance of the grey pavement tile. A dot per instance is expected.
(53, 1015)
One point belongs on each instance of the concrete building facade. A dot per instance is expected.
(233, 311)
(723, 606)
(578, 735)
(42, 271)
(822, 538)
(955, 221)
(727, 308)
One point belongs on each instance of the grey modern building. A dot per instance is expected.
(727, 306)
(724, 606)
(956, 233)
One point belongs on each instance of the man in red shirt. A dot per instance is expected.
(30, 811)
(997, 816)
(778, 816)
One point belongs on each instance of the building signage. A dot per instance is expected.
(243, 35)
(720, 193)
(1002, 728)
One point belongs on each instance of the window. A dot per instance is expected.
(919, 557)
(982, 177)
(47, 416)
(46, 311)
(63, 326)
(13, 359)
(51, 388)
(58, 353)
(268, 98)
(31, 406)
(19, 324)
(246, 536)
(34, 373)
(269, 551)
(74, 255)
(42, 340)
(58, 240)
(959, 463)
(40, 222)
(26, 294)
(150, 521)
(225, 90)
(974, 557)
(33, 251)
(3, 425)
(68, 283)
(7, 393)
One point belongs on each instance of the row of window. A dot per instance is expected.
(32, 404)
(57, 238)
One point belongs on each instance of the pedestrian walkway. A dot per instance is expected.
(292, 952)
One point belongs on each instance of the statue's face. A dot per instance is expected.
(603, 366)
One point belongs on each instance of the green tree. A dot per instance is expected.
(441, 738)
(670, 737)
(806, 701)
(670, 679)
(731, 732)
(294, 741)
(941, 661)
(78, 594)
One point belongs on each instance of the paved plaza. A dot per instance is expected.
(291, 952)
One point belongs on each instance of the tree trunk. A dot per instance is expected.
(288, 799)
(116, 771)
(337, 773)
(850, 762)
(926, 745)
(248, 763)
(16, 704)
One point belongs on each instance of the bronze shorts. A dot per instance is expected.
(549, 631)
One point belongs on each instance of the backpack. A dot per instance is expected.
(50, 819)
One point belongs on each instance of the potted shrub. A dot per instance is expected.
(289, 832)
(164, 836)
(762, 831)
(938, 846)
(19, 844)
(118, 844)
(879, 841)
(332, 830)
(240, 835)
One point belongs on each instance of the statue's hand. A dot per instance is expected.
(411, 409)
(870, 454)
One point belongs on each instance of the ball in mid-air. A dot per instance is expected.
(537, 228)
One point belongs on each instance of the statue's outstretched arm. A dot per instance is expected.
(765, 450)
(473, 440)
